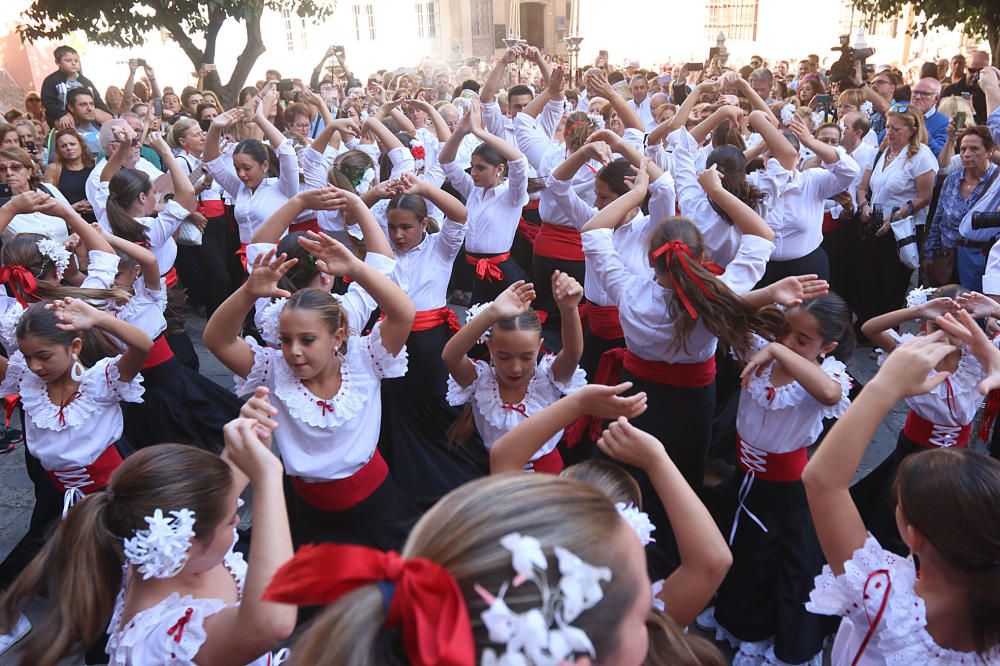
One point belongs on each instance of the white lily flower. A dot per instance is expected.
(580, 583)
(526, 554)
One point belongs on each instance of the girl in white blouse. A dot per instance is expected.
(515, 384)
(326, 386)
(246, 174)
(946, 511)
(789, 387)
(185, 597)
(494, 194)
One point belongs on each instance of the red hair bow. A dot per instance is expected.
(427, 603)
(681, 250)
(418, 152)
(20, 280)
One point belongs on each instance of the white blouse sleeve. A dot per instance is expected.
(548, 119)
(663, 199)
(576, 209)
(314, 168)
(605, 263)
(10, 315)
(530, 139)
(223, 173)
(834, 178)
(402, 162)
(450, 240)
(747, 268)
(103, 384)
(166, 223)
(576, 381)
(262, 371)
(385, 365)
(517, 182)
(16, 368)
(923, 162)
(460, 180)
(493, 119)
(460, 395)
(288, 179)
(837, 371)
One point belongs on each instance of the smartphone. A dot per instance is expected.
(695, 66)
(157, 107)
(959, 119)
(824, 99)
(285, 85)
(713, 52)
(141, 62)
(30, 147)
(5, 193)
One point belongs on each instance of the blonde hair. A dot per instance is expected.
(462, 533)
(915, 121)
(953, 104)
(854, 97)
(177, 131)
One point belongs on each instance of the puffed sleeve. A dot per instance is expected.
(385, 365)
(16, 368)
(101, 270)
(103, 383)
(262, 371)
(460, 395)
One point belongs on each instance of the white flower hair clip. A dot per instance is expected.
(867, 108)
(639, 520)
(367, 178)
(597, 120)
(918, 296)
(55, 253)
(471, 313)
(542, 636)
(818, 118)
(269, 319)
(162, 550)
(787, 113)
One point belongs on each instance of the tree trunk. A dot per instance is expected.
(244, 63)
(993, 37)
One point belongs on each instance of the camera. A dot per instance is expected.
(843, 69)
(285, 85)
(986, 220)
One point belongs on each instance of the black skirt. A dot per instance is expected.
(815, 262)
(486, 290)
(542, 269)
(765, 591)
(415, 422)
(179, 406)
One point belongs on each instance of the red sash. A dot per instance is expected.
(558, 242)
(525, 227)
(89, 478)
(768, 466)
(933, 436)
(488, 268)
(170, 277)
(602, 320)
(829, 224)
(550, 463)
(342, 494)
(159, 354)
(308, 225)
(242, 254)
(212, 208)
(425, 320)
(692, 375)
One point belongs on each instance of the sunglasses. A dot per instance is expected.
(900, 108)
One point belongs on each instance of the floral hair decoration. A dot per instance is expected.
(542, 636)
(787, 114)
(918, 296)
(363, 182)
(867, 108)
(471, 313)
(638, 520)
(55, 253)
(417, 150)
(162, 550)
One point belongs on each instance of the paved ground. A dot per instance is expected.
(16, 494)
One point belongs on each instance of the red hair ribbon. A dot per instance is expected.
(21, 281)
(427, 602)
(681, 250)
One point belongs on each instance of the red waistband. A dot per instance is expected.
(829, 224)
(170, 277)
(550, 463)
(212, 208)
(602, 320)
(242, 254)
(425, 320)
(488, 268)
(89, 478)
(934, 436)
(558, 242)
(308, 225)
(342, 494)
(692, 375)
(159, 354)
(770, 466)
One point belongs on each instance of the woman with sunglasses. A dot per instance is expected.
(19, 171)
(899, 184)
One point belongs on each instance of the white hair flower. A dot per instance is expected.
(597, 120)
(55, 253)
(639, 520)
(918, 296)
(525, 554)
(867, 108)
(787, 113)
(471, 313)
(162, 550)
(580, 583)
(367, 178)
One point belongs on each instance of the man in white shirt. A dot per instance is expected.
(110, 145)
(639, 87)
(855, 127)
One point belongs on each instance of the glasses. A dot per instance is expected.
(11, 168)
(922, 93)
(135, 143)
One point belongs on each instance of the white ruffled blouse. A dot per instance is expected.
(786, 418)
(76, 434)
(321, 440)
(901, 637)
(145, 309)
(494, 417)
(147, 638)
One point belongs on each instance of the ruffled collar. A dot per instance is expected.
(50, 416)
(789, 395)
(305, 406)
(964, 379)
(505, 415)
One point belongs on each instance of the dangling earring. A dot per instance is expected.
(76, 371)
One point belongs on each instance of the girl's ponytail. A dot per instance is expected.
(123, 190)
(350, 632)
(83, 563)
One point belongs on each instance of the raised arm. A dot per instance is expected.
(989, 81)
(440, 126)
(515, 448)
(827, 477)
(596, 150)
(512, 302)
(756, 102)
(808, 374)
(219, 123)
(452, 208)
(507, 150)
(612, 215)
(378, 129)
(683, 113)
(78, 315)
(567, 293)
(878, 329)
(629, 117)
(127, 90)
(345, 126)
(824, 151)
(90, 238)
(743, 216)
(146, 259)
(728, 112)
(450, 149)
(781, 149)
(705, 557)
(183, 187)
(488, 93)
(334, 259)
(260, 112)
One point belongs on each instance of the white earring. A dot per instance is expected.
(76, 372)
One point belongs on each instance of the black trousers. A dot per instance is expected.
(44, 518)
(877, 282)
(542, 270)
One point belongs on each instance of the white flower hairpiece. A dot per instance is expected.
(787, 113)
(818, 118)
(365, 183)
(269, 319)
(542, 636)
(56, 253)
(918, 296)
(474, 310)
(867, 108)
(597, 119)
(162, 550)
(639, 520)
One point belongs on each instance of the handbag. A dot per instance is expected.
(189, 234)
(940, 268)
(905, 232)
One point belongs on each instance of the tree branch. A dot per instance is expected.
(244, 63)
(215, 21)
(178, 34)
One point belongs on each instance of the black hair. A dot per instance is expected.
(41, 322)
(385, 162)
(302, 274)
(490, 155)
(259, 152)
(732, 164)
(519, 90)
(77, 92)
(792, 139)
(833, 319)
(614, 173)
(416, 206)
(123, 190)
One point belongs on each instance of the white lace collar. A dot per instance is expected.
(765, 394)
(305, 406)
(50, 416)
(505, 415)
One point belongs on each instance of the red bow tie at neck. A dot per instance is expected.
(681, 250)
(426, 603)
(21, 282)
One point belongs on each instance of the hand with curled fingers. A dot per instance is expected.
(260, 409)
(248, 453)
(627, 444)
(268, 269)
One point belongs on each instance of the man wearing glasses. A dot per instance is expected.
(924, 98)
(880, 91)
(110, 144)
(969, 83)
